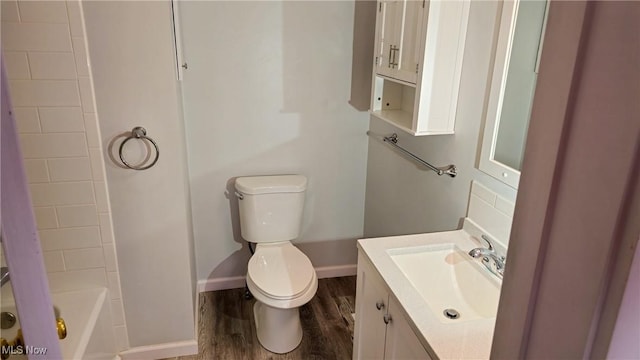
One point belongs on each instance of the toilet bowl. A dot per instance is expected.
(280, 277)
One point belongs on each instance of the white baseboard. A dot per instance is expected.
(224, 283)
(161, 351)
(325, 272)
(235, 282)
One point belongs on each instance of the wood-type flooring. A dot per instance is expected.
(227, 330)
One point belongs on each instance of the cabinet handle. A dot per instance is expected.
(393, 51)
(396, 50)
(386, 318)
(380, 305)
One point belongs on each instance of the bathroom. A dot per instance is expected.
(231, 89)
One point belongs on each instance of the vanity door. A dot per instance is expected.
(401, 342)
(371, 309)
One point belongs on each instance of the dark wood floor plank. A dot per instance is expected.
(227, 328)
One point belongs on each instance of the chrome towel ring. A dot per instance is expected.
(139, 132)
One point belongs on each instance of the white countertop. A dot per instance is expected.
(464, 340)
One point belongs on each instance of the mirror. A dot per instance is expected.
(513, 84)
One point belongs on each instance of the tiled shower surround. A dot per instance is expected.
(52, 94)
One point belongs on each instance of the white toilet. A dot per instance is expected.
(279, 276)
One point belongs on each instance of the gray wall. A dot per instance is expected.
(267, 92)
(403, 199)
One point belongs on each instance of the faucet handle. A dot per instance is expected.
(486, 238)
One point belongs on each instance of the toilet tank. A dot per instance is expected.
(271, 207)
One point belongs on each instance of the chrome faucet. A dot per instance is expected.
(4, 275)
(490, 259)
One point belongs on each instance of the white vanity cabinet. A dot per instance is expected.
(381, 329)
(417, 63)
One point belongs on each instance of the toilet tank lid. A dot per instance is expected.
(271, 184)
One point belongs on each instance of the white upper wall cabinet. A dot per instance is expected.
(417, 64)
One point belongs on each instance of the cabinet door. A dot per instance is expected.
(401, 342)
(410, 41)
(399, 38)
(388, 34)
(371, 306)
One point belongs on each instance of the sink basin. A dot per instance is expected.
(449, 279)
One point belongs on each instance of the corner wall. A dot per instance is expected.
(52, 93)
(404, 199)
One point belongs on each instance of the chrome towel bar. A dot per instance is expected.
(392, 140)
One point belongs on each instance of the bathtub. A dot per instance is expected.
(88, 319)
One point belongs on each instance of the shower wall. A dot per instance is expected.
(52, 94)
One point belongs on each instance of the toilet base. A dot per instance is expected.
(278, 330)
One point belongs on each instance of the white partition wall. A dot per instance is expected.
(133, 65)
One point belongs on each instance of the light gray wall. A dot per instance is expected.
(403, 199)
(132, 59)
(267, 92)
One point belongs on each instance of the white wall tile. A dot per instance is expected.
(505, 206)
(52, 66)
(483, 192)
(43, 11)
(110, 257)
(51, 88)
(77, 215)
(35, 37)
(83, 259)
(61, 119)
(117, 312)
(114, 285)
(63, 193)
(77, 280)
(86, 94)
(27, 119)
(46, 217)
(37, 171)
(53, 261)
(95, 154)
(17, 65)
(102, 199)
(44, 92)
(70, 238)
(75, 18)
(9, 11)
(91, 127)
(497, 224)
(53, 145)
(80, 53)
(69, 169)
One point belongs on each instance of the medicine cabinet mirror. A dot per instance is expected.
(515, 72)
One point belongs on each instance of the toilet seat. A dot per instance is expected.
(280, 270)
